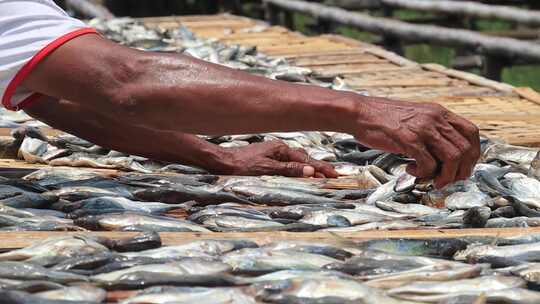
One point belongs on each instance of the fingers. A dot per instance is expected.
(437, 156)
(292, 169)
(425, 166)
(464, 150)
(449, 157)
(471, 155)
(321, 167)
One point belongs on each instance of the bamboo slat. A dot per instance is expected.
(10, 240)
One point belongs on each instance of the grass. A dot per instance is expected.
(524, 75)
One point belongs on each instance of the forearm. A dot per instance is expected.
(179, 92)
(116, 135)
(176, 92)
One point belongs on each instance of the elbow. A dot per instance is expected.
(123, 93)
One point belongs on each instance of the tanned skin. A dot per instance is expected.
(149, 104)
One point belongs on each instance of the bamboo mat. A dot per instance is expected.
(501, 110)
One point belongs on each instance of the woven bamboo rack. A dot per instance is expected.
(501, 110)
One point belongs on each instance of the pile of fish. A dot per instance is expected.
(502, 192)
(83, 269)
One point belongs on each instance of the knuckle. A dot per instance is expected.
(411, 139)
(437, 108)
(472, 129)
(453, 155)
(467, 148)
(294, 167)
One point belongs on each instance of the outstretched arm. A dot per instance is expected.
(257, 159)
(178, 93)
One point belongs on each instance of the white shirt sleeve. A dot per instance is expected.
(29, 31)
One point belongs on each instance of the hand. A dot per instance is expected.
(273, 158)
(444, 145)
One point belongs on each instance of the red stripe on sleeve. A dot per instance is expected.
(30, 65)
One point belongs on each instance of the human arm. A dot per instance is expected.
(182, 94)
(257, 159)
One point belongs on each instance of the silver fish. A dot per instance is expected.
(260, 260)
(278, 197)
(526, 190)
(324, 218)
(293, 274)
(51, 176)
(520, 221)
(127, 221)
(415, 209)
(123, 204)
(310, 247)
(467, 200)
(523, 253)
(520, 156)
(186, 266)
(53, 250)
(383, 193)
(373, 262)
(420, 291)
(199, 248)
(33, 150)
(440, 273)
(239, 222)
(28, 271)
(80, 293)
(388, 225)
(188, 295)
(331, 289)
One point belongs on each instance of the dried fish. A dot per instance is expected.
(137, 222)
(411, 209)
(437, 291)
(28, 271)
(200, 248)
(82, 293)
(185, 266)
(107, 204)
(506, 255)
(263, 260)
(331, 290)
(186, 295)
(54, 250)
(419, 247)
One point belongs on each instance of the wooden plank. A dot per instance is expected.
(11, 165)
(331, 62)
(324, 53)
(528, 94)
(45, 131)
(12, 240)
(421, 82)
(472, 78)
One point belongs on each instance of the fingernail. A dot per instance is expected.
(308, 171)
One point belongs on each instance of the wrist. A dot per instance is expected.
(328, 110)
(219, 160)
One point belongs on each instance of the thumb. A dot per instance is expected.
(294, 169)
